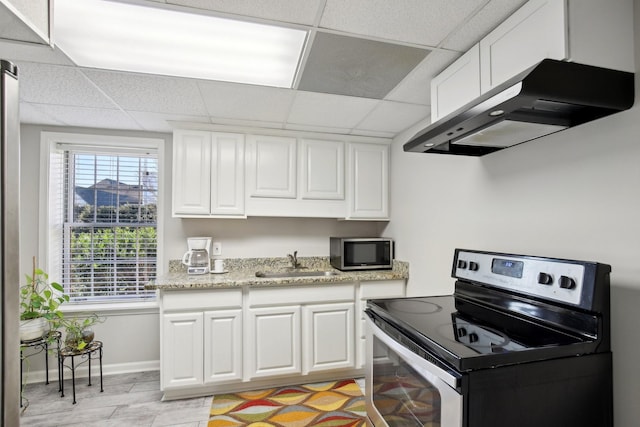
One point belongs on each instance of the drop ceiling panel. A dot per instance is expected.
(294, 11)
(416, 87)
(260, 103)
(59, 85)
(354, 66)
(90, 117)
(159, 122)
(393, 117)
(426, 22)
(31, 114)
(481, 24)
(156, 94)
(318, 109)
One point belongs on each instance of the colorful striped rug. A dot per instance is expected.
(327, 404)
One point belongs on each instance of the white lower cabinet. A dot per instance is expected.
(219, 340)
(328, 336)
(274, 333)
(182, 349)
(222, 346)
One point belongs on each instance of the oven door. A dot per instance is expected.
(404, 389)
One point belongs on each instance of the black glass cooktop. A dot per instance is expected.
(467, 335)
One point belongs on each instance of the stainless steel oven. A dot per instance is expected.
(523, 341)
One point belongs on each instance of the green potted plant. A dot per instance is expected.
(39, 304)
(79, 331)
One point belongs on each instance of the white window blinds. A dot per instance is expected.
(103, 220)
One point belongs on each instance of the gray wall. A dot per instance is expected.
(575, 194)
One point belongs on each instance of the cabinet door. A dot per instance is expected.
(227, 174)
(222, 345)
(322, 169)
(274, 334)
(328, 336)
(191, 192)
(457, 85)
(272, 166)
(534, 32)
(369, 181)
(182, 350)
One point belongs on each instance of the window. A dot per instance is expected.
(103, 216)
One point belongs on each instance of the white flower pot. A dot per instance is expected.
(32, 329)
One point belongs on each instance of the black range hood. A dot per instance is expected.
(547, 98)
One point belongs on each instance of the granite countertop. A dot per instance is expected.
(241, 272)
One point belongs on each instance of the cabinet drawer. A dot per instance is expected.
(301, 295)
(188, 300)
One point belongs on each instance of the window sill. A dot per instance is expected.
(112, 308)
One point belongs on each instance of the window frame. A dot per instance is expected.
(119, 145)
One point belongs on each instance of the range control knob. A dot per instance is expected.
(462, 332)
(473, 266)
(567, 282)
(462, 264)
(545, 278)
(473, 337)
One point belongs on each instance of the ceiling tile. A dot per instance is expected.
(393, 117)
(156, 94)
(261, 103)
(294, 11)
(89, 117)
(159, 122)
(59, 85)
(14, 52)
(322, 129)
(318, 109)
(31, 114)
(481, 24)
(354, 66)
(425, 22)
(416, 87)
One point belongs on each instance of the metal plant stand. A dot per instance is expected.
(40, 345)
(93, 350)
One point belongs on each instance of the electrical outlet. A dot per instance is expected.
(217, 248)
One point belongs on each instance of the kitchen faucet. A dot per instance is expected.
(294, 260)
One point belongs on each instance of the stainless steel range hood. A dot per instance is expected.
(547, 98)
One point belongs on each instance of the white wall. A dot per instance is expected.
(131, 338)
(575, 195)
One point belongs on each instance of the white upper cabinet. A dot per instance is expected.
(535, 32)
(294, 177)
(191, 172)
(456, 85)
(272, 166)
(227, 174)
(321, 169)
(235, 175)
(592, 32)
(368, 181)
(208, 174)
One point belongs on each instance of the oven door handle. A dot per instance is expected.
(424, 365)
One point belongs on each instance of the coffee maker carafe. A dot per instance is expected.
(197, 257)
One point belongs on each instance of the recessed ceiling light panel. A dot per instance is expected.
(131, 37)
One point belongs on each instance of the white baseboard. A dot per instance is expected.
(83, 371)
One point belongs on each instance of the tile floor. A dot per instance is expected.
(128, 400)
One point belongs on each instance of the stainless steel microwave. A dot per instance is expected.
(360, 253)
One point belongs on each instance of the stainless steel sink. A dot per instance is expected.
(295, 273)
